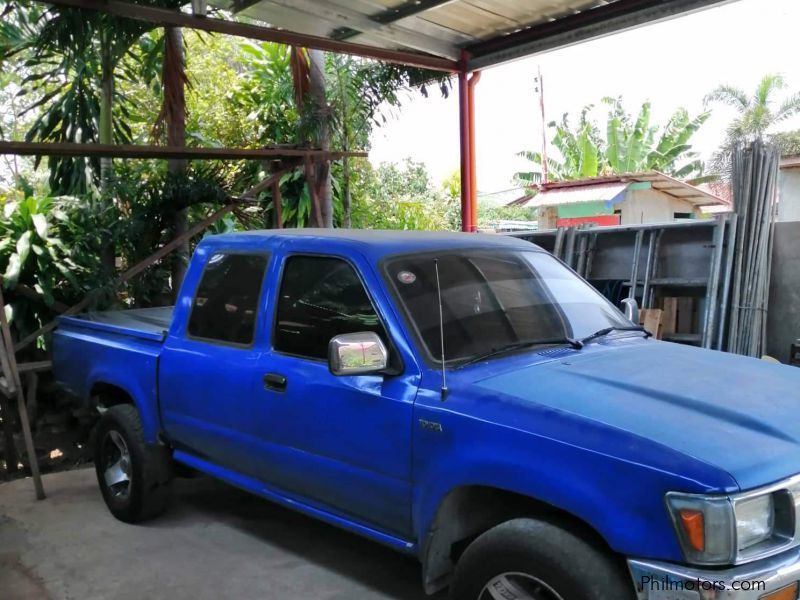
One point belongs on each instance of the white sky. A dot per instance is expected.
(674, 63)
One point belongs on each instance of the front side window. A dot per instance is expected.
(493, 299)
(321, 297)
(226, 303)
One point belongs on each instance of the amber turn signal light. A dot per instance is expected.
(787, 593)
(693, 525)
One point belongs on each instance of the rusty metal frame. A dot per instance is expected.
(166, 17)
(167, 152)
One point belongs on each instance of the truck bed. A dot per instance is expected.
(144, 323)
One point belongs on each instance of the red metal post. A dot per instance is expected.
(464, 131)
(473, 177)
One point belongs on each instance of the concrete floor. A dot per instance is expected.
(216, 542)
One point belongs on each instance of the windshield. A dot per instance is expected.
(495, 298)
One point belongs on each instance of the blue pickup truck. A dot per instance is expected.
(463, 398)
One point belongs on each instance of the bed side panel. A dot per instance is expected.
(84, 357)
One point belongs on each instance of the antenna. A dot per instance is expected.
(441, 327)
(540, 88)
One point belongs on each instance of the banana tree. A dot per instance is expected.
(631, 144)
(580, 150)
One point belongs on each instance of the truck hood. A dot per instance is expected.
(739, 414)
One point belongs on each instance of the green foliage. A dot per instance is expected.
(490, 217)
(631, 144)
(264, 93)
(758, 114)
(65, 54)
(147, 196)
(403, 197)
(788, 142)
(40, 251)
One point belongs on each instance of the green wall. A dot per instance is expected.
(584, 209)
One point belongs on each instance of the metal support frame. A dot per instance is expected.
(167, 152)
(466, 120)
(166, 17)
(637, 252)
(464, 135)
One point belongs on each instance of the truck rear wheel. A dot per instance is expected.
(135, 478)
(527, 559)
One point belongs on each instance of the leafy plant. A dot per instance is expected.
(32, 254)
(631, 144)
(403, 197)
(758, 114)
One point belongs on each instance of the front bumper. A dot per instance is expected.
(753, 581)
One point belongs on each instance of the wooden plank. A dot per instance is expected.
(669, 320)
(12, 374)
(34, 367)
(650, 318)
(685, 315)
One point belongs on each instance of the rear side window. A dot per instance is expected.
(226, 303)
(320, 298)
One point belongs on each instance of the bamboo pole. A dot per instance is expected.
(13, 375)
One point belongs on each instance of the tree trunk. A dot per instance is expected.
(175, 120)
(107, 252)
(346, 199)
(322, 169)
(346, 221)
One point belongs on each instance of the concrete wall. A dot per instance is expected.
(789, 190)
(783, 322)
(652, 206)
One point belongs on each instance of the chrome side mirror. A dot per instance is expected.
(631, 309)
(357, 354)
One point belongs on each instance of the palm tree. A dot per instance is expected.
(758, 114)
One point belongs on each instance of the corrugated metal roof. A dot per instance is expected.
(609, 193)
(491, 31)
(607, 188)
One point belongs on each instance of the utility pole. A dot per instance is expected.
(540, 90)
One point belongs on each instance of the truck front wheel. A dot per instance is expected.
(135, 478)
(527, 559)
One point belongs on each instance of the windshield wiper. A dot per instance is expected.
(576, 344)
(607, 330)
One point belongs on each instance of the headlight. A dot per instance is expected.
(721, 530)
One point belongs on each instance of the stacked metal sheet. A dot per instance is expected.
(755, 176)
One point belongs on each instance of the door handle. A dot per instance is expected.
(274, 381)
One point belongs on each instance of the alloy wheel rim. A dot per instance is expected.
(517, 586)
(117, 463)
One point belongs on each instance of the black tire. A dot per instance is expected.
(539, 561)
(147, 470)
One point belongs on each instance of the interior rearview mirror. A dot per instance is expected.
(357, 354)
(631, 308)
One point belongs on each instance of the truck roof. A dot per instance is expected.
(369, 241)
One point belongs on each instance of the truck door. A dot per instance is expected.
(344, 442)
(209, 375)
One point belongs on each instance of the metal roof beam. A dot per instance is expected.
(165, 17)
(165, 152)
(361, 23)
(409, 9)
(572, 29)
